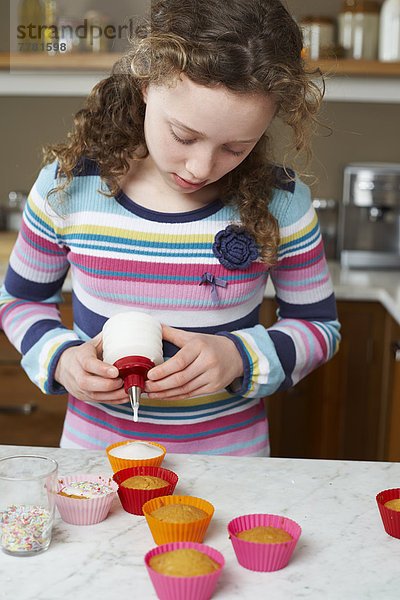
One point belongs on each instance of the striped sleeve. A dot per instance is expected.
(306, 333)
(29, 298)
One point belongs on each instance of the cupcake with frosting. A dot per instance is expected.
(184, 570)
(178, 518)
(85, 499)
(135, 453)
(138, 485)
(263, 542)
(389, 507)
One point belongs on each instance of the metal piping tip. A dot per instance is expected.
(134, 394)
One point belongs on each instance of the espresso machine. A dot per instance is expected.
(369, 216)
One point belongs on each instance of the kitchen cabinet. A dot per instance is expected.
(348, 408)
(393, 437)
(27, 416)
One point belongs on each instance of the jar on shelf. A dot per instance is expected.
(318, 37)
(389, 33)
(358, 29)
(31, 19)
(51, 30)
(68, 28)
(98, 38)
(14, 209)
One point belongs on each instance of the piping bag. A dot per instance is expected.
(133, 370)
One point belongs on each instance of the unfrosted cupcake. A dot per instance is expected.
(268, 543)
(85, 499)
(198, 568)
(135, 453)
(178, 518)
(138, 485)
(389, 513)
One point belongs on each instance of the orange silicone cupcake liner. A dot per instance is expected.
(117, 464)
(191, 531)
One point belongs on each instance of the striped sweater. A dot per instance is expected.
(122, 256)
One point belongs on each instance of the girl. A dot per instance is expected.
(166, 199)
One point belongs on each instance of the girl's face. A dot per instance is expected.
(197, 134)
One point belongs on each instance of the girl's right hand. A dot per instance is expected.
(83, 374)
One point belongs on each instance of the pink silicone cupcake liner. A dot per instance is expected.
(200, 587)
(390, 517)
(132, 500)
(86, 511)
(263, 557)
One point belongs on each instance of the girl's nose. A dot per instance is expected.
(200, 165)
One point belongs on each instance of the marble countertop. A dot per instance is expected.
(343, 552)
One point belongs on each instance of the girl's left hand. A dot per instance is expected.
(203, 365)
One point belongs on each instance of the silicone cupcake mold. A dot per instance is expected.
(118, 463)
(390, 517)
(191, 531)
(131, 499)
(199, 587)
(258, 556)
(85, 511)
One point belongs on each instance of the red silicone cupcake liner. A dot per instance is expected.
(85, 511)
(263, 557)
(132, 500)
(390, 517)
(199, 587)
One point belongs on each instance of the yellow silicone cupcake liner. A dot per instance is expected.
(191, 531)
(117, 464)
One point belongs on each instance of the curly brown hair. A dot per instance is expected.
(249, 46)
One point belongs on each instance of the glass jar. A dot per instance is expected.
(389, 34)
(51, 30)
(98, 25)
(358, 29)
(31, 19)
(14, 209)
(318, 37)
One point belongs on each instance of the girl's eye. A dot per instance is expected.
(239, 153)
(187, 142)
(181, 140)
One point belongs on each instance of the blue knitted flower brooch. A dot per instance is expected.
(234, 247)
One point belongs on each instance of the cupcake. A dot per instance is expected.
(390, 510)
(184, 570)
(85, 499)
(135, 453)
(263, 542)
(137, 485)
(178, 518)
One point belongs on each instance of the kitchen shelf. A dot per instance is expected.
(367, 68)
(38, 61)
(76, 74)
(104, 61)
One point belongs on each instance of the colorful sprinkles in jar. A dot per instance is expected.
(25, 528)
